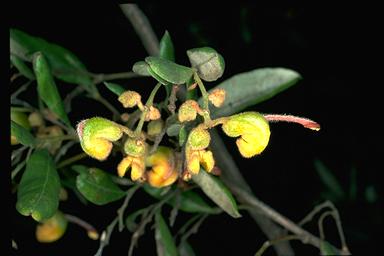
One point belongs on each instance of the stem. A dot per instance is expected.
(121, 210)
(105, 236)
(20, 109)
(20, 90)
(71, 160)
(146, 108)
(99, 78)
(267, 244)
(76, 220)
(307, 123)
(142, 27)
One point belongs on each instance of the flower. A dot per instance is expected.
(51, 229)
(253, 130)
(136, 150)
(164, 171)
(96, 135)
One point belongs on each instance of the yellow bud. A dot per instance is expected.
(129, 99)
(198, 139)
(253, 129)
(93, 234)
(95, 136)
(188, 111)
(206, 159)
(164, 171)
(155, 127)
(51, 229)
(193, 161)
(36, 119)
(135, 147)
(152, 114)
(217, 97)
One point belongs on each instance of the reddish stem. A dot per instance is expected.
(307, 123)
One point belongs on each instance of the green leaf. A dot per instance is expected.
(326, 249)
(173, 130)
(167, 50)
(250, 88)
(47, 89)
(158, 78)
(185, 249)
(115, 88)
(97, 187)
(182, 135)
(209, 63)
(141, 68)
(188, 201)
(22, 135)
(164, 241)
(22, 67)
(169, 71)
(329, 180)
(39, 188)
(217, 192)
(65, 65)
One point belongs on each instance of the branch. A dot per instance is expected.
(142, 27)
(232, 177)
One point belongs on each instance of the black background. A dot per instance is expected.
(333, 48)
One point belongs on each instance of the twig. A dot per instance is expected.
(105, 236)
(64, 150)
(20, 90)
(99, 78)
(232, 177)
(121, 210)
(82, 223)
(71, 160)
(268, 243)
(142, 27)
(18, 152)
(172, 99)
(194, 228)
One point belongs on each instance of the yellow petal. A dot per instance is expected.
(124, 165)
(207, 161)
(138, 169)
(193, 162)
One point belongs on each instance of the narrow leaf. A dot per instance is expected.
(22, 67)
(169, 71)
(164, 240)
(158, 78)
(115, 88)
(209, 63)
(182, 135)
(22, 135)
(47, 89)
(39, 188)
(188, 201)
(65, 65)
(217, 192)
(326, 249)
(250, 88)
(167, 50)
(141, 68)
(329, 180)
(185, 249)
(97, 187)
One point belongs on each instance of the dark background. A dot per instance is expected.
(333, 48)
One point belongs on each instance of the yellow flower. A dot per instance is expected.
(129, 99)
(51, 229)
(164, 171)
(253, 130)
(137, 165)
(95, 136)
(196, 153)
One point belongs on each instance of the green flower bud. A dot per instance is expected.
(198, 139)
(135, 147)
(253, 130)
(95, 136)
(155, 127)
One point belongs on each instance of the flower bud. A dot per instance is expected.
(155, 127)
(36, 119)
(253, 130)
(188, 111)
(129, 99)
(51, 229)
(198, 139)
(48, 132)
(217, 97)
(163, 172)
(152, 114)
(95, 136)
(137, 165)
(135, 147)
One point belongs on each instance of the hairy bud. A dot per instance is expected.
(129, 99)
(217, 97)
(155, 127)
(135, 147)
(188, 111)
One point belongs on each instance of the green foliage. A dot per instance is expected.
(164, 240)
(115, 88)
(218, 192)
(22, 67)
(97, 187)
(167, 50)
(22, 135)
(208, 63)
(252, 87)
(46, 87)
(38, 191)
